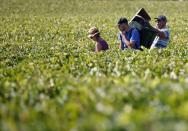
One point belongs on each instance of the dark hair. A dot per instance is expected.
(122, 21)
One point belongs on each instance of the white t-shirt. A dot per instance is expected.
(161, 43)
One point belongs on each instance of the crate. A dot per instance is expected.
(141, 22)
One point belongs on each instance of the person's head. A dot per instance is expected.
(123, 24)
(161, 21)
(94, 33)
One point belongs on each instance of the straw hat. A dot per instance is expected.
(92, 32)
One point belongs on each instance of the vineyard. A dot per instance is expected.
(51, 80)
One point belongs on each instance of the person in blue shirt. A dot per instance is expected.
(129, 37)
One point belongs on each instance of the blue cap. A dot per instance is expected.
(161, 18)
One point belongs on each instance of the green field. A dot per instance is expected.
(50, 80)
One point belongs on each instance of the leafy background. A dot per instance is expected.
(51, 80)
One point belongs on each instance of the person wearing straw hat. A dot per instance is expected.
(101, 44)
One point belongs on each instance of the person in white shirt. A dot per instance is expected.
(162, 32)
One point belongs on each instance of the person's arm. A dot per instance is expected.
(135, 38)
(129, 44)
(161, 34)
(98, 47)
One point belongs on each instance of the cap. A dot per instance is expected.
(92, 32)
(161, 18)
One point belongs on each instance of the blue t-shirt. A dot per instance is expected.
(162, 43)
(131, 35)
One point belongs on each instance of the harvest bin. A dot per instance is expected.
(141, 22)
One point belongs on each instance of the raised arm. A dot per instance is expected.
(161, 34)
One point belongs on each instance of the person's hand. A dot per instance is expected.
(125, 39)
(123, 36)
(123, 33)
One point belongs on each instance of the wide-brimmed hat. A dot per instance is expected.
(92, 32)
